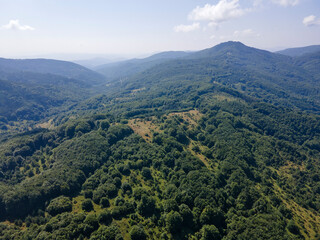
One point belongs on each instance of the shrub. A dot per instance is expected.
(59, 205)
(126, 187)
(104, 202)
(146, 173)
(88, 194)
(87, 205)
(92, 220)
(105, 217)
(146, 206)
(293, 228)
(137, 233)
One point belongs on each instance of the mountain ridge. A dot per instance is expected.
(57, 67)
(255, 70)
(221, 144)
(125, 68)
(299, 51)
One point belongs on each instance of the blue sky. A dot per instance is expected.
(126, 27)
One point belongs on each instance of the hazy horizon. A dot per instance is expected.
(84, 30)
(109, 58)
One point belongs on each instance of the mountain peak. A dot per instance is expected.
(229, 48)
(231, 44)
(237, 50)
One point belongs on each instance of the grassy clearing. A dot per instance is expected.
(191, 117)
(228, 98)
(307, 221)
(144, 128)
(48, 125)
(199, 155)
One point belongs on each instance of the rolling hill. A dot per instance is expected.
(56, 67)
(310, 62)
(217, 144)
(32, 90)
(123, 69)
(232, 66)
(299, 51)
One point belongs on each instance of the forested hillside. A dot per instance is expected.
(124, 69)
(32, 90)
(218, 144)
(230, 67)
(61, 68)
(299, 51)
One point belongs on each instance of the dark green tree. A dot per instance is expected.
(104, 202)
(105, 217)
(87, 205)
(147, 206)
(173, 222)
(210, 232)
(138, 233)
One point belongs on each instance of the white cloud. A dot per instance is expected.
(15, 25)
(223, 11)
(213, 24)
(286, 3)
(187, 28)
(311, 21)
(245, 33)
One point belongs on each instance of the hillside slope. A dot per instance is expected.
(230, 67)
(56, 67)
(299, 51)
(310, 62)
(123, 69)
(32, 90)
(227, 170)
(220, 144)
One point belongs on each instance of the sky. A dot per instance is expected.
(79, 28)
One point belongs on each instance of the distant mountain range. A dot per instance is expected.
(95, 62)
(299, 51)
(56, 67)
(126, 68)
(261, 74)
(31, 88)
(222, 143)
(123, 69)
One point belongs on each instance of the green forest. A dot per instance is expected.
(222, 143)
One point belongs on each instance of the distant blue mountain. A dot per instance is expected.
(299, 51)
(56, 67)
(31, 88)
(129, 67)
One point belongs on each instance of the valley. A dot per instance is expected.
(221, 143)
